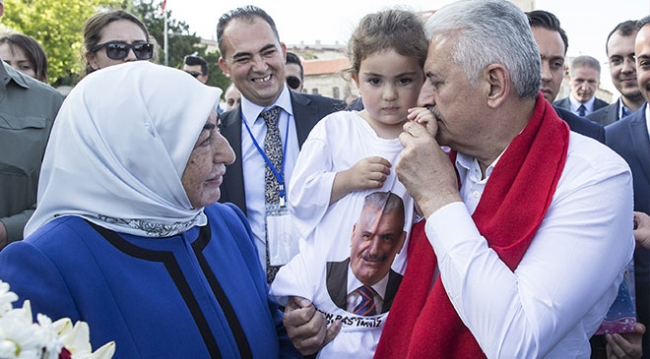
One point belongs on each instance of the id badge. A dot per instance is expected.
(282, 245)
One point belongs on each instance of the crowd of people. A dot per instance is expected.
(455, 209)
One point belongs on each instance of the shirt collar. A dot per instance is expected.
(589, 105)
(622, 109)
(251, 111)
(647, 117)
(354, 284)
(8, 73)
(468, 165)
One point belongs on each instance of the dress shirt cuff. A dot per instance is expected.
(449, 228)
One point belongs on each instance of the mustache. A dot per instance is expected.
(373, 258)
(435, 112)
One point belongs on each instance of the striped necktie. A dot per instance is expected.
(367, 305)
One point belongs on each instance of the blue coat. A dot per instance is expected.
(629, 138)
(201, 294)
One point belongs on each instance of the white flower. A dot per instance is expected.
(52, 344)
(19, 334)
(77, 340)
(6, 298)
(21, 338)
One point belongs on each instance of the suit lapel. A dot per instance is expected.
(394, 280)
(233, 180)
(305, 116)
(612, 113)
(337, 282)
(641, 141)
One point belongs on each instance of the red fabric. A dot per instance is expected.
(423, 323)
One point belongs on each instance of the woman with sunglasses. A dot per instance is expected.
(115, 37)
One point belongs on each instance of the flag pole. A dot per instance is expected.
(166, 36)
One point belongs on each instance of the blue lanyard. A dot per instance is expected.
(278, 175)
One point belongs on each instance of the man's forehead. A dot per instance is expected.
(548, 40)
(642, 38)
(235, 31)
(373, 214)
(440, 51)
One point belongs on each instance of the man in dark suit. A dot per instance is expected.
(377, 237)
(253, 57)
(337, 271)
(629, 138)
(584, 79)
(553, 44)
(620, 52)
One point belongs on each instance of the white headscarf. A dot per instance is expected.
(118, 149)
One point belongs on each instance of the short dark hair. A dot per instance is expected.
(626, 28)
(193, 60)
(294, 59)
(643, 22)
(248, 13)
(548, 21)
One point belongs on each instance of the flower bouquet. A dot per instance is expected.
(21, 338)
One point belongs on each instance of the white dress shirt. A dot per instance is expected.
(647, 117)
(575, 104)
(569, 276)
(253, 164)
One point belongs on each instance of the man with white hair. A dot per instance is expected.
(525, 258)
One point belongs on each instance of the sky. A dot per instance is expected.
(586, 22)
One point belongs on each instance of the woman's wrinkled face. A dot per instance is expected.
(207, 164)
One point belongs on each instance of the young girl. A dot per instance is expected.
(343, 189)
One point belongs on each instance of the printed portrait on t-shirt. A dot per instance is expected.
(364, 283)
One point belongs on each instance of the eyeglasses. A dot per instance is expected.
(193, 73)
(118, 50)
(293, 82)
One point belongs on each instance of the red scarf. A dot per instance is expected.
(422, 322)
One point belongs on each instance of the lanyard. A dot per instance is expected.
(279, 175)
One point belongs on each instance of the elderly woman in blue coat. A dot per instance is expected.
(127, 235)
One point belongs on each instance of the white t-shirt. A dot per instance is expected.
(335, 144)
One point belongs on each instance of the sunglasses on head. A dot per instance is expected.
(118, 50)
(293, 82)
(193, 73)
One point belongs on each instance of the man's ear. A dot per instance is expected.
(498, 84)
(223, 67)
